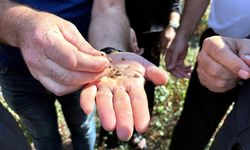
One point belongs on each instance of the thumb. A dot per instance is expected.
(72, 35)
(244, 50)
(245, 56)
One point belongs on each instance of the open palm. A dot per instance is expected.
(120, 98)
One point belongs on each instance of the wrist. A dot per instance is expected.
(110, 50)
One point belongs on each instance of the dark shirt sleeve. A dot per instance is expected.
(176, 6)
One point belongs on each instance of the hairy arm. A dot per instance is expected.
(11, 16)
(109, 25)
(192, 13)
(46, 41)
(177, 51)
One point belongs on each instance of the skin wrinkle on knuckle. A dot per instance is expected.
(62, 77)
(221, 85)
(128, 113)
(104, 94)
(139, 97)
(82, 44)
(122, 98)
(215, 72)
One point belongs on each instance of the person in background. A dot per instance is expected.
(223, 63)
(203, 108)
(44, 57)
(150, 20)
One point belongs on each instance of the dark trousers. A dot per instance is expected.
(235, 132)
(202, 112)
(11, 136)
(35, 106)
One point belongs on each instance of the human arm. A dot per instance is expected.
(222, 62)
(109, 25)
(55, 52)
(115, 97)
(169, 32)
(176, 53)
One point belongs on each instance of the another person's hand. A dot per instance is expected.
(56, 53)
(134, 44)
(167, 37)
(175, 55)
(219, 66)
(120, 97)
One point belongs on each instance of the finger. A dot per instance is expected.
(140, 51)
(176, 74)
(227, 58)
(68, 77)
(184, 71)
(72, 35)
(212, 68)
(69, 57)
(124, 115)
(182, 74)
(245, 56)
(91, 63)
(140, 106)
(171, 58)
(104, 105)
(243, 46)
(216, 84)
(87, 98)
(57, 88)
(169, 43)
(157, 75)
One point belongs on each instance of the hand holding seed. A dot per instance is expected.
(120, 98)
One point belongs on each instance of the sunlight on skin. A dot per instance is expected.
(120, 98)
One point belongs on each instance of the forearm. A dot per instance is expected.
(10, 23)
(192, 13)
(109, 25)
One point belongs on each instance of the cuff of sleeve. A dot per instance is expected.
(110, 50)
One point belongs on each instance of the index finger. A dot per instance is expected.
(73, 36)
(221, 53)
(67, 55)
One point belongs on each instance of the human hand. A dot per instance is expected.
(120, 97)
(134, 48)
(56, 53)
(175, 55)
(167, 38)
(219, 66)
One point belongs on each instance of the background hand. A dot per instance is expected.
(120, 97)
(134, 44)
(219, 66)
(56, 53)
(175, 56)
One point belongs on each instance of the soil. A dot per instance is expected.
(116, 72)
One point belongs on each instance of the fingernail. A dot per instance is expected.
(243, 74)
(124, 134)
(103, 54)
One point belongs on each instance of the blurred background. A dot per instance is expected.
(169, 100)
